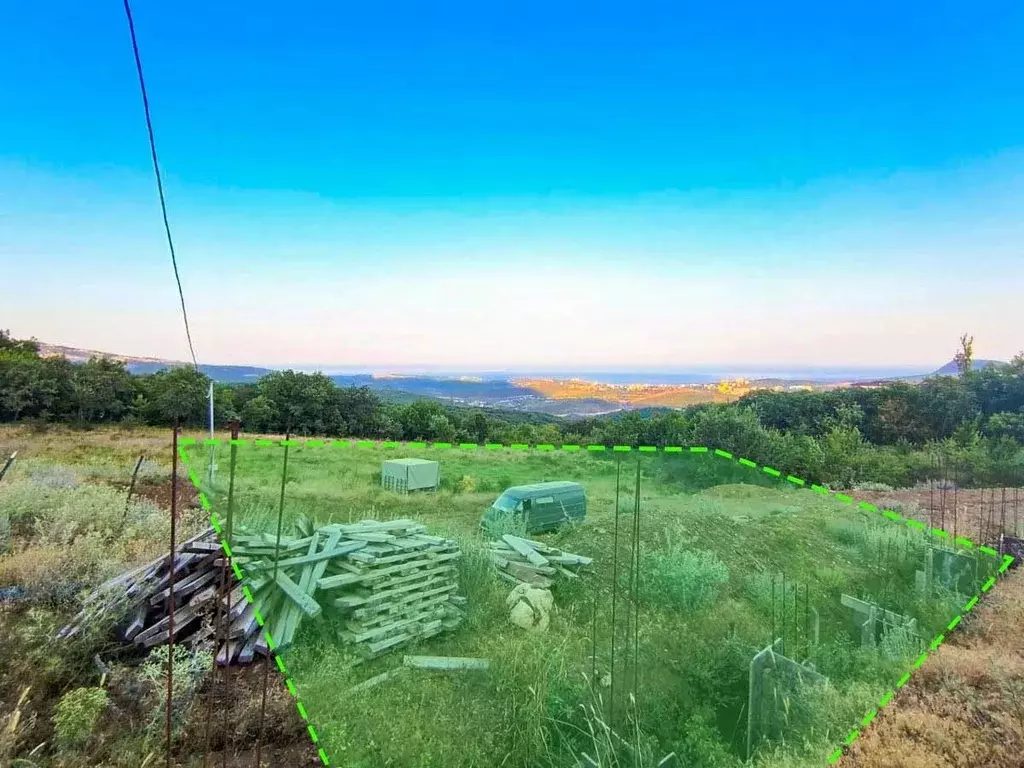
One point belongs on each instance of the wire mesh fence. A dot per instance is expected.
(693, 597)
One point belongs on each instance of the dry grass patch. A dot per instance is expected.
(965, 706)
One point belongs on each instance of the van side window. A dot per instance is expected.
(546, 500)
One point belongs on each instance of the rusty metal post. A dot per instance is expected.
(170, 609)
(8, 464)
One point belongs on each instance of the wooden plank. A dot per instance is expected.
(433, 552)
(186, 587)
(385, 629)
(570, 560)
(244, 624)
(377, 537)
(317, 573)
(438, 606)
(248, 651)
(307, 604)
(138, 622)
(429, 539)
(162, 632)
(363, 557)
(411, 602)
(288, 631)
(547, 570)
(203, 547)
(331, 582)
(284, 622)
(540, 546)
(341, 580)
(288, 544)
(383, 645)
(227, 652)
(523, 548)
(372, 526)
(445, 662)
(325, 554)
(377, 680)
(352, 601)
(400, 586)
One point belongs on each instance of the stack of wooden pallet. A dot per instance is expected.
(389, 581)
(398, 587)
(522, 561)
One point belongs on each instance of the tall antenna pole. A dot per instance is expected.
(213, 448)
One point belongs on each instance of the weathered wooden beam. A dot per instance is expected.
(523, 548)
(445, 662)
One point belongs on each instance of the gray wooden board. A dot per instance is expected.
(331, 582)
(377, 680)
(1011, 545)
(227, 652)
(352, 601)
(307, 604)
(371, 615)
(323, 555)
(445, 662)
(137, 625)
(248, 651)
(187, 586)
(364, 624)
(369, 634)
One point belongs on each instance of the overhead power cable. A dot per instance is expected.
(159, 181)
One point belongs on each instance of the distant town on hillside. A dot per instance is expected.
(562, 396)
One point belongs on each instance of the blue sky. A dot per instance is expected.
(528, 185)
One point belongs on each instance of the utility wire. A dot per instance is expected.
(159, 181)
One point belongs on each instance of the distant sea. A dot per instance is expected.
(695, 376)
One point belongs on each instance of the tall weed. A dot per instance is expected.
(190, 669)
(683, 579)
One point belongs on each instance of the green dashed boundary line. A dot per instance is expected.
(887, 514)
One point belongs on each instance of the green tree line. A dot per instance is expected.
(886, 434)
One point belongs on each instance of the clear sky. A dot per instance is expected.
(529, 184)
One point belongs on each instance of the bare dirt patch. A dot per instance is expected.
(965, 707)
(160, 493)
(226, 722)
(978, 514)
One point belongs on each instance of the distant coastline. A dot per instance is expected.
(654, 378)
(564, 394)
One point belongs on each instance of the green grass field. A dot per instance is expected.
(729, 557)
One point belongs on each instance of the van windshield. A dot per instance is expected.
(506, 503)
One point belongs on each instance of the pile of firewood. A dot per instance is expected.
(143, 596)
(522, 561)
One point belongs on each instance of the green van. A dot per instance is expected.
(543, 506)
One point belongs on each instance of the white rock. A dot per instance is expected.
(530, 607)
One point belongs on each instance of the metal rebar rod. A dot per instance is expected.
(615, 593)
(273, 578)
(170, 592)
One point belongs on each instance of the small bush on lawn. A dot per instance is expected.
(685, 579)
(76, 714)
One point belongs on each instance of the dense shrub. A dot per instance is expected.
(191, 668)
(687, 580)
(76, 714)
